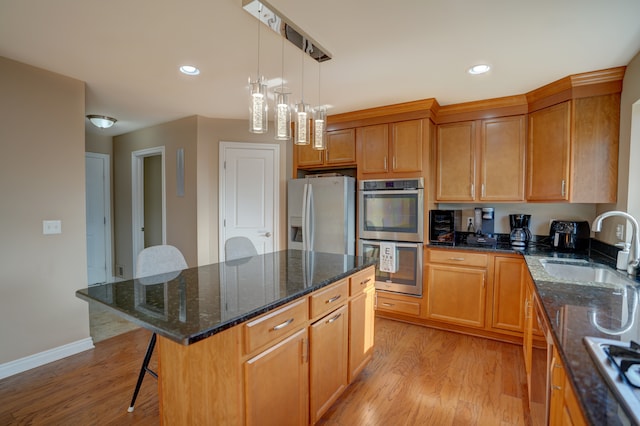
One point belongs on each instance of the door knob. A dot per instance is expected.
(267, 234)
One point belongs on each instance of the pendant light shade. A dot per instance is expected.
(283, 115)
(303, 124)
(258, 120)
(319, 128)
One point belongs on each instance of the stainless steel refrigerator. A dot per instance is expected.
(322, 214)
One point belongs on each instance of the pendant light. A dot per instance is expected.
(258, 119)
(283, 110)
(302, 116)
(319, 122)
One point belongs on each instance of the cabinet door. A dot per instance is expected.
(456, 295)
(455, 162)
(508, 293)
(556, 403)
(276, 384)
(373, 148)
(406, 146)
(306, 156)
(548, 153)
(361, 331)
(502, 154)
(329, 356)
(341, 147)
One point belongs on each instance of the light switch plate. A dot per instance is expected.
(50, 227)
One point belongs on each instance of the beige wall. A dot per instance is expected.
(211, 132)
(629, 157)
(42, 177)
(181, 211)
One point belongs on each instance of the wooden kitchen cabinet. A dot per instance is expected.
(395, 149)
(329, 349)
(277, 384)
(340, 152)
(564, 409)
(573, 151)
(456, 287)
(509, 293)
(481, 160)
(361, 321)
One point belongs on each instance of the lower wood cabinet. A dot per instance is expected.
(456, 294)
(329, 350)
(361, 323)
(508, 293)
(276, 384)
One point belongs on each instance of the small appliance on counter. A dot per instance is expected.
(484, 222)
(569, 235)
(443, 224)
(520, 234)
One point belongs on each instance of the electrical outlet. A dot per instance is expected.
(469, 223)
(620, 232)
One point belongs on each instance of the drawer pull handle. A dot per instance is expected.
(333, 299)
(457, 259)
(333, 319)
(365, 281)
(556, 387)
(387, 304)
(283, 325)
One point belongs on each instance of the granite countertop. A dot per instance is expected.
(193, 304)
(576, 309)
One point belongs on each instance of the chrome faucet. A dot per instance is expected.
(634, 255)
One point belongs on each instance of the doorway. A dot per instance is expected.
(98, 211)
(148, 200)
(249, 194)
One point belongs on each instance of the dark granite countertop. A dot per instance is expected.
(570, 307)
(195, 303)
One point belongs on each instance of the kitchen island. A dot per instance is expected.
(237, 338)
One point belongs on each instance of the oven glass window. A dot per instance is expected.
(391, 212)
(407, 265)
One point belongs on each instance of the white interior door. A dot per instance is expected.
(249, 194)
(97, 175)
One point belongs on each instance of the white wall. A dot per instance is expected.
(41, 177)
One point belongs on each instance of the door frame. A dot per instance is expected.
(137, 199)
(106, 187)
(222, 193)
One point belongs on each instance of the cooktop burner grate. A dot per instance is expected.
(619, 363)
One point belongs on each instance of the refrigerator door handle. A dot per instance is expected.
(310, 220)
(305, 230)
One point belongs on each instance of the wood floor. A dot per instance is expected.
(418, 376)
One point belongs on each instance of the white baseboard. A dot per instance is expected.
(36, 360)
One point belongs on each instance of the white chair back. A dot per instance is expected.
(162, 259)
(238, 248)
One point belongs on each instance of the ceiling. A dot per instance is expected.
(384, 51)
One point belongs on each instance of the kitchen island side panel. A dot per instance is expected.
(202, 383)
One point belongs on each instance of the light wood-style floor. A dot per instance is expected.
(418, 376)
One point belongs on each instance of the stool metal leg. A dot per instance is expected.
(144, 369)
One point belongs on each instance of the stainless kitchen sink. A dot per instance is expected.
(583, 271)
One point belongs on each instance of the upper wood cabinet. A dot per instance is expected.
(481, 160)
(392, 150)
(340, 152)
(573, 151)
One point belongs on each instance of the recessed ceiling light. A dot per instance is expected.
(479, 69)
(189, 70)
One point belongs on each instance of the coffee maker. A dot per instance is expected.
(520, 234)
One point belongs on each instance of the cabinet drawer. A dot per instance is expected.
(463, 258)
(399, 306)
(273, 325)
(325, 300)
(361, 281)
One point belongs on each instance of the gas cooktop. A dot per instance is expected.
(619, 363)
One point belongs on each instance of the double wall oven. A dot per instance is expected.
(392, 211)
